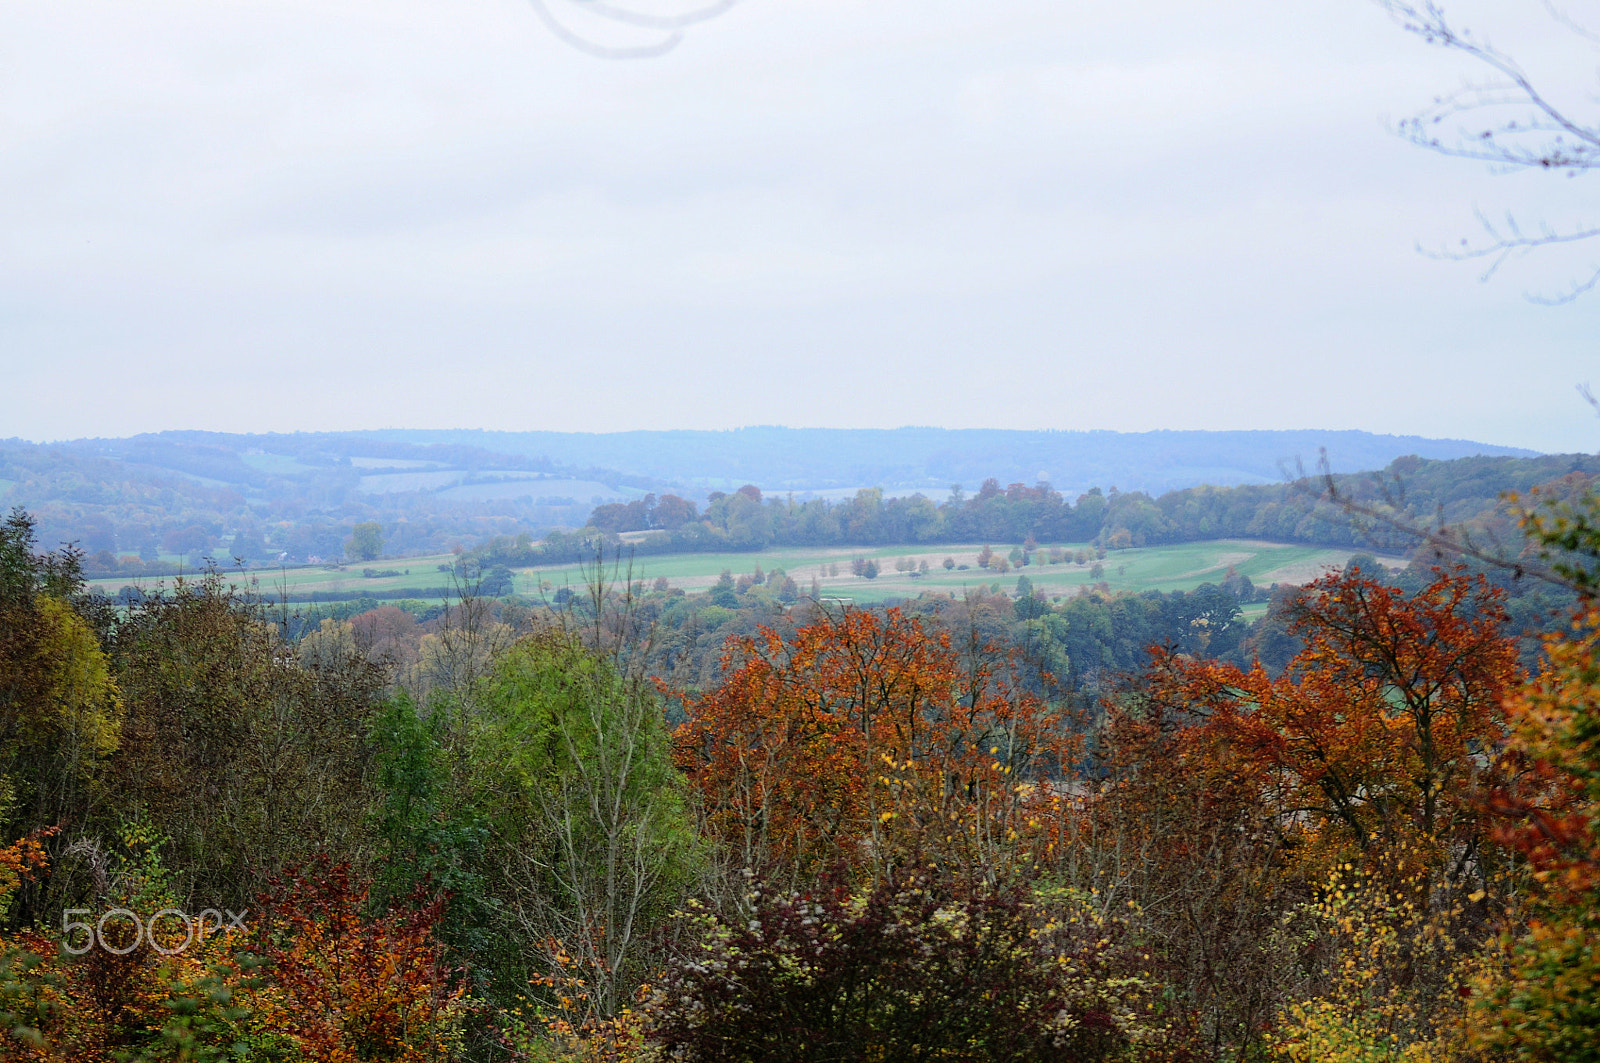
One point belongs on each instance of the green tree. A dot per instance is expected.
(365, 542)
(248, 752)
(591, 844)
(722, 592)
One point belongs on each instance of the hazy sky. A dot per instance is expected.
(322, 214)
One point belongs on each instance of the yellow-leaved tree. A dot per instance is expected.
(1541, 1000)
(60, 710)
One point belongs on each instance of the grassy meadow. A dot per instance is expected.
(301, 582)
(1165, 568)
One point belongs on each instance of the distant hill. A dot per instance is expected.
(177, 497)
(931, 459)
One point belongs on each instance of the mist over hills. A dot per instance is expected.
(931, 459)
(171, 495)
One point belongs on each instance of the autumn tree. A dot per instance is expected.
(1227, 800)
(1175, 831)
(672, 512)
(1538, 1001)
(348, 984)
(314, 974)
(246, 752)
(1377, 740)
(60, 708)
(188, 540)
(387, 634)
(865, 737)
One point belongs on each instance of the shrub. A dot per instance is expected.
(905, 971)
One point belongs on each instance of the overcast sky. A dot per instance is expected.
(323, 214)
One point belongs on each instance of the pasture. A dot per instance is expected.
(301, 582)
(1183, 566)
(1165, 568)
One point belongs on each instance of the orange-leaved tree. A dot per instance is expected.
(353, 986)
(865, 738)
(174, 989)
(312, 976)
(1376, 744)
(1541, 1001)
(1178, 831)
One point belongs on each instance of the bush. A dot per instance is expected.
(906, 971)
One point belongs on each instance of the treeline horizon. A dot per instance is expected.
(1410, 491)
(148, 504)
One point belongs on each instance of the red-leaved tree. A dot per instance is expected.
(864, 738)
(1377, 742)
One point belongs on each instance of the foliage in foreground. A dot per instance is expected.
(1543, 1002)
(1371, 855)
(863, 739)
(1371, 743)
(315, 977)
(906, 970)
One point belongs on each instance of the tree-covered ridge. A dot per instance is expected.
(152, 504)
(1411, 491)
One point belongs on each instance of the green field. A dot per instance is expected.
(1165, 568)
(301, 583)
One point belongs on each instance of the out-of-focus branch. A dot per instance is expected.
(1521, 128)
(1508, 239)
(1455, 541)
(671, 27)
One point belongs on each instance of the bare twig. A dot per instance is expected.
(1443, 538)
(670, 25)
(1539, 135)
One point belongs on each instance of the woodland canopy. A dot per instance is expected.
(569, 833)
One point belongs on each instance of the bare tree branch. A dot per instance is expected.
(670, 25)
(1447, 540)
(1518, 127)
(1507, 240)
